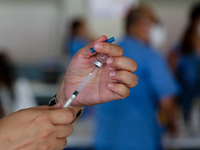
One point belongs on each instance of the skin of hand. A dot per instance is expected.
(37, 128)
(111, 82)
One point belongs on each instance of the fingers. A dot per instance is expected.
(64, 131)
(102, 47)
(42, 107)
(126, 77)
(109, 49)
(58, 105)
(62, 116)
(46, 107)
(60, 144)
(86, 50)
(120, 90)
(123, 63)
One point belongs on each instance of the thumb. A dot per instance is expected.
(86, 50)
(46, 107)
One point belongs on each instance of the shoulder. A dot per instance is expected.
(125, 40)
(131, 45)
(134, 48)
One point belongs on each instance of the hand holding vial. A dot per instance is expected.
(101, 59)
(111, 82)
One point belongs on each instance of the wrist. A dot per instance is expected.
(60, 96)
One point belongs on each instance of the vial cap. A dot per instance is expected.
(97, 64)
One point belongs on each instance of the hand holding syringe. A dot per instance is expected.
(101, 58)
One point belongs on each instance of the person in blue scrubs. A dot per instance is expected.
(185, 62)
(78, 38)
(132, 124)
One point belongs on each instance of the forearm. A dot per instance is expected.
(168, 106)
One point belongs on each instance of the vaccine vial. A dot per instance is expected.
(101, 59)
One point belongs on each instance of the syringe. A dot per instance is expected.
(101, 58)
(78, 90)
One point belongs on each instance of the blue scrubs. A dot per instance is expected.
(188, 74)
(131, 124)
(76, 43)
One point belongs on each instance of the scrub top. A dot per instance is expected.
(76, 43)
(131, 123)
(188, 75)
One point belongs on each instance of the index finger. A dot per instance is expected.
(108, 48)
(46, 107)
(62, 116)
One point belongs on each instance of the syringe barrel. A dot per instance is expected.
(70, 100)
(78, 90)
(83, 83)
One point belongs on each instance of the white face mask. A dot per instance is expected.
(157, 36)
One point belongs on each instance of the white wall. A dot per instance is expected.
(108, 20)
(28, 29)
(34, 29)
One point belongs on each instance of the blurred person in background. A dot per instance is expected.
(6, 84)
(133, 122)
(184, 60)
(79, 36)
(15, 92)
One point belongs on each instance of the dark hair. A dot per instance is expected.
(135, 14)
(131, 19)
(75, 25)
(195, 12)
(6, 76)
(188, 36)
